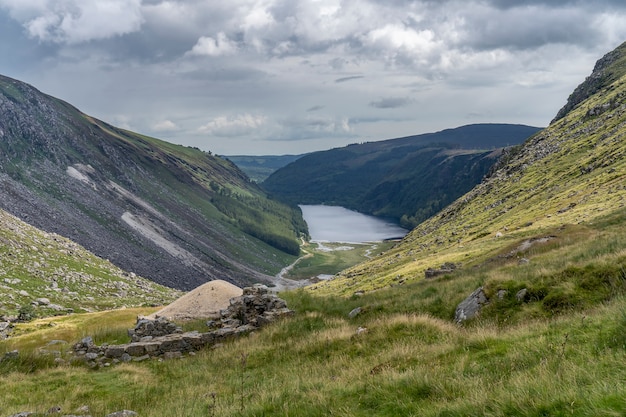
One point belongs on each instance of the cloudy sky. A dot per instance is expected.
(293, 76)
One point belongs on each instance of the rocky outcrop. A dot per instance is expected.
(471, 306)
(604, 73)
(161, 338)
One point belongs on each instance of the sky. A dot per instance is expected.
(274, 77)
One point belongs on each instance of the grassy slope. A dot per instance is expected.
(35, 264)
(411, 360)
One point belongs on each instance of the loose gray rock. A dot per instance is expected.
(471, 306)
(355, 312)
(256, 308)
(446, 268)
(123, 413)
(43, 301)
(5, 329)
(521, 295)
(14, 354)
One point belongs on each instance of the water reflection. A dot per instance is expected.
(338, 224)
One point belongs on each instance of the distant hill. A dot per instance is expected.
(408, 179)
(258, 168)
(176, 215)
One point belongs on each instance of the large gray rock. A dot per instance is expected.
(471, 306)
(5, 329)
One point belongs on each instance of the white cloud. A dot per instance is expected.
(240, 125)
(165, 126)
(220, 45)
(319, 71)
(75, 21)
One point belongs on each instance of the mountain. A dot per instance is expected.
(408, 179)
(258, 168)
(176, 215)
(567, 179)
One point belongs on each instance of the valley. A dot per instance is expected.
(507, 297)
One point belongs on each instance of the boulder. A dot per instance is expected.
(5, 329)
(471, 306)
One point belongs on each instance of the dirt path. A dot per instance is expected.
(281, 283)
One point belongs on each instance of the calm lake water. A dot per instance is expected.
(338, 224)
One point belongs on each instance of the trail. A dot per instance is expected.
(281, 283)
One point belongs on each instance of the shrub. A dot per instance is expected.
(26, 313)
(559, 300)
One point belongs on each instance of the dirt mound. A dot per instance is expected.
(206, 301)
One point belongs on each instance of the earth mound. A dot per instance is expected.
(205, 301)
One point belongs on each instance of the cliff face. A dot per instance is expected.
(607, 70)
(142, 203)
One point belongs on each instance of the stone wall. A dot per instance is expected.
(161, 338)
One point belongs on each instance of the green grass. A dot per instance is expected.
(316, 364)
(331, 258)
(529, 358)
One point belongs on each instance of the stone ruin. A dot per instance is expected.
(446, 268)
(161, 338)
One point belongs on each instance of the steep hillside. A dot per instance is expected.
(176, 215)
(258, 168)
(44, 274)
(568, 175)
(408, 179)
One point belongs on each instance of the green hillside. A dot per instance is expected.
(406, 179)
(176, 215)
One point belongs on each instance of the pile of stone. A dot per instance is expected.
(160, 338)
(446, 268)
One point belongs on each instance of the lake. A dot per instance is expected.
(338, 224)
